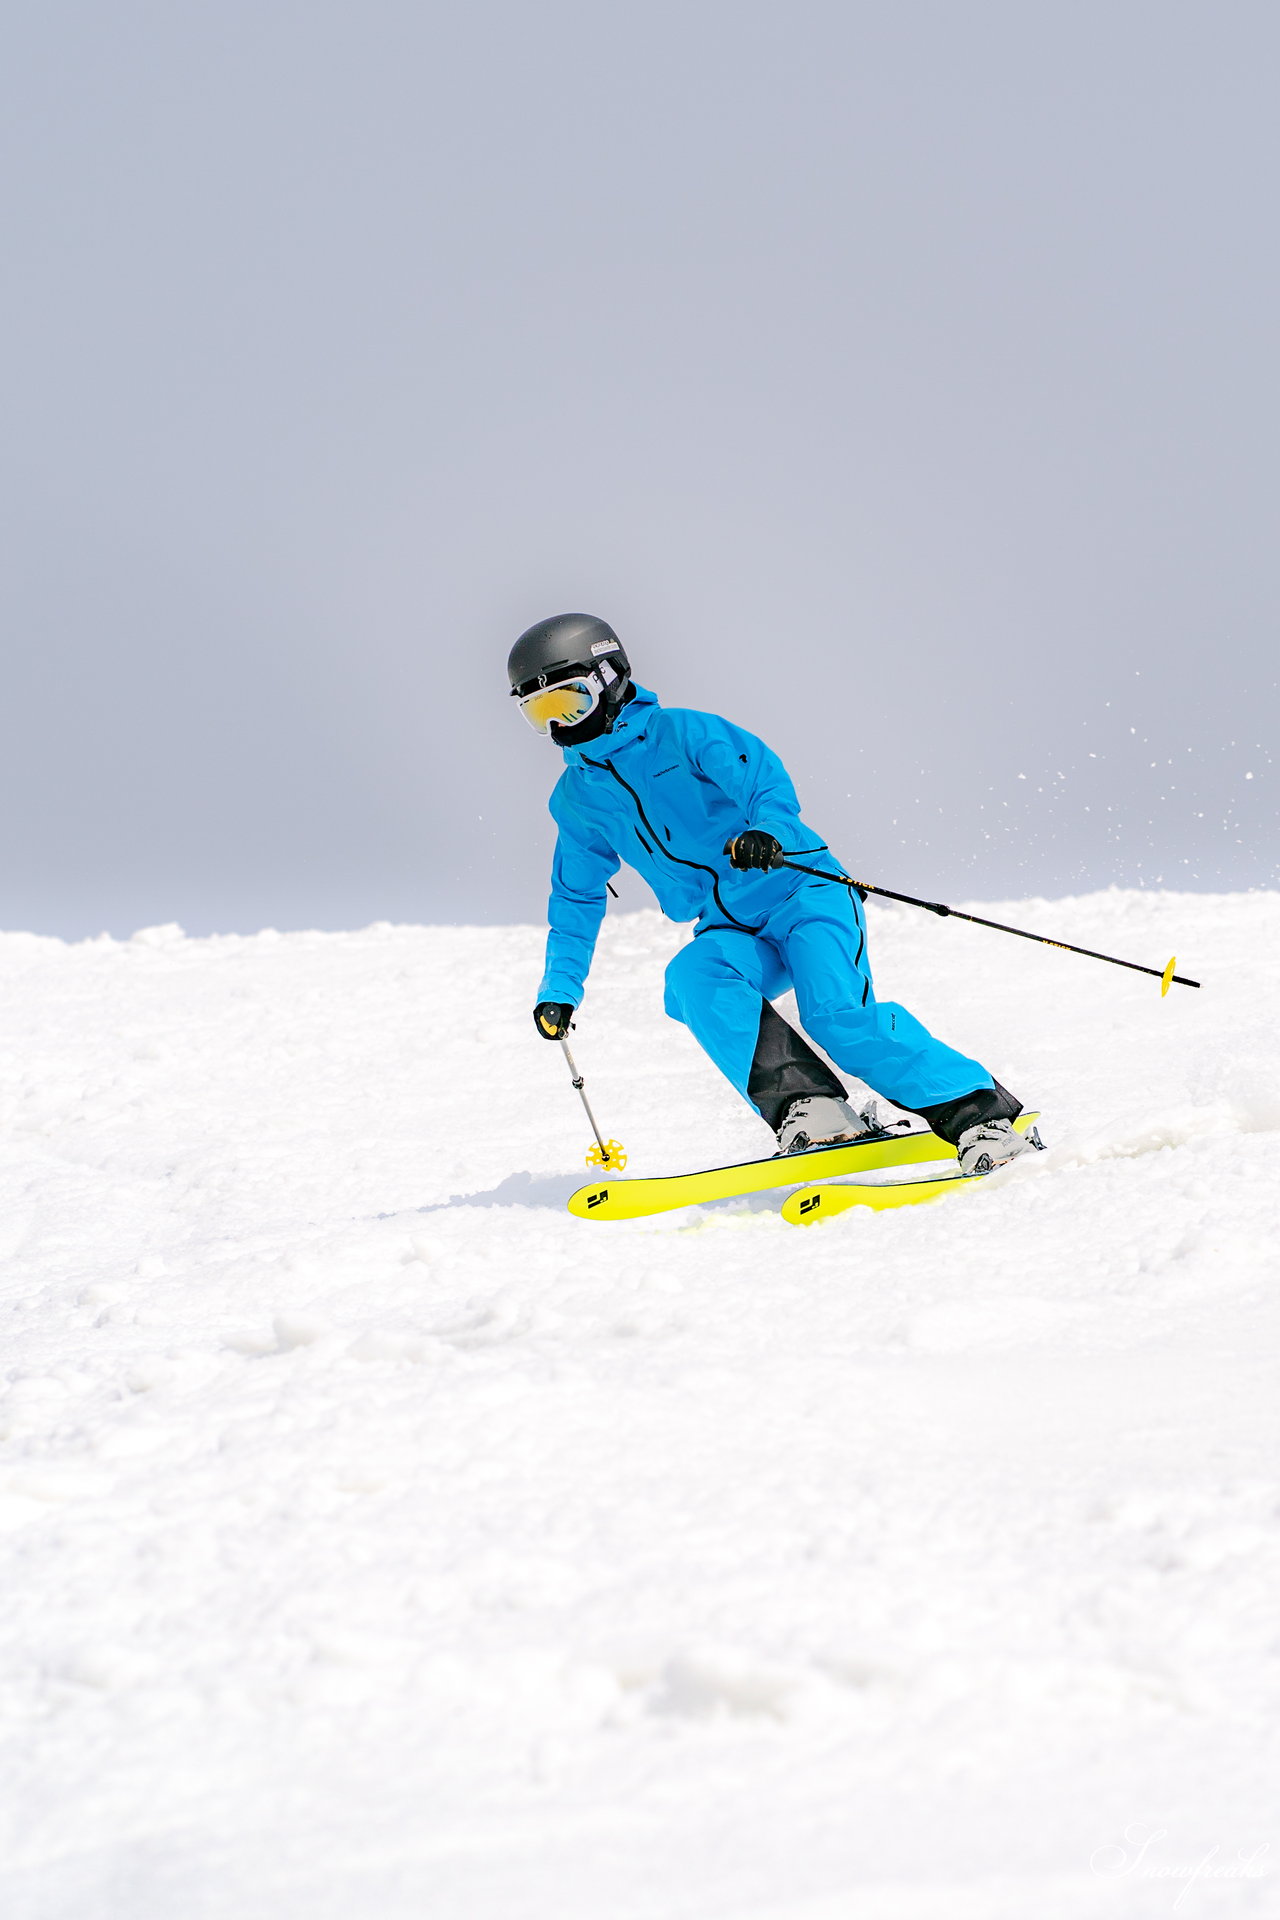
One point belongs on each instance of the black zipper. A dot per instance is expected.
(607, 766)
(857, 958)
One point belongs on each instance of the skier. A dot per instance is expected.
(704, 812)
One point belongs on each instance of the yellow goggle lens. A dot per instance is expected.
(560, 706)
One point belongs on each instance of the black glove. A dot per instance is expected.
(754, 848)
(552, 1017)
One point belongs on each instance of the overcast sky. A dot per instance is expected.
(898, 379)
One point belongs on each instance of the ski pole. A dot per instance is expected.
(1165, 975)
(601, 1155)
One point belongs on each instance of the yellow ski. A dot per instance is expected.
(809, 1205)
(634, 1199)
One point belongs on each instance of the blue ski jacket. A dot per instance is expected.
(663, 792)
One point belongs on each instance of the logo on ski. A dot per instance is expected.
(814, 1200)
(598, 1199)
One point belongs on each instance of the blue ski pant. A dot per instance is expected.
(816, 942)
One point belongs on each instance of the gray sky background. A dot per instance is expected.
(899, 380)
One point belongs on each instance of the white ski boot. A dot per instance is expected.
(990, 1144)
(816, 1120)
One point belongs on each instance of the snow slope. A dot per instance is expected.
(380, 1541)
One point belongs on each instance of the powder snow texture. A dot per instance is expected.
(380, 1541)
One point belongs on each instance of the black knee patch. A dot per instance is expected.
(784, 1067)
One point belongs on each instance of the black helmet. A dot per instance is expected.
(566, 643)
(569, 644)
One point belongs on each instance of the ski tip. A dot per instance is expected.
(1166, 978)
(600, 1202)
(811, 1205)
(803, 1209)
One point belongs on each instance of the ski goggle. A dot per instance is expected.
(563, 705)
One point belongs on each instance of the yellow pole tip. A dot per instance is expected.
(1166, 978)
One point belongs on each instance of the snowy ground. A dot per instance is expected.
(380, 1541)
